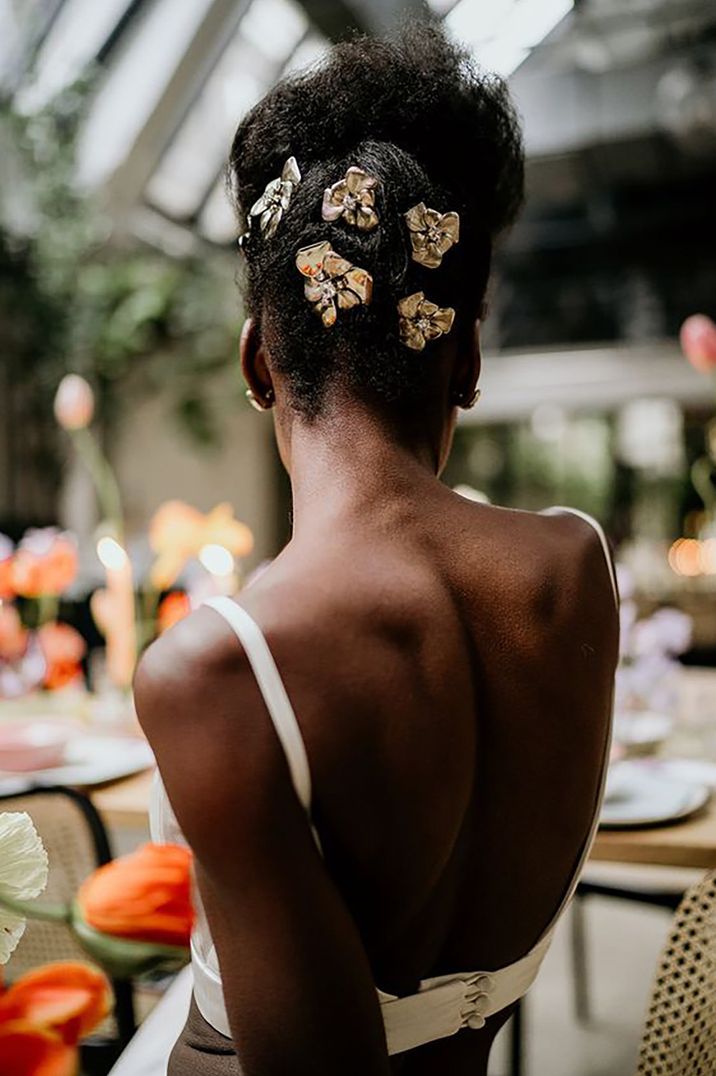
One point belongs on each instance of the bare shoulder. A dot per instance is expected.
(183, 670)
(203, 714)
(538, 579)
(576, 562)
(560, 545)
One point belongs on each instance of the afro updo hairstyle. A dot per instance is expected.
(415, 113)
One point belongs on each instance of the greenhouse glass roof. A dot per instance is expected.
(173, 77)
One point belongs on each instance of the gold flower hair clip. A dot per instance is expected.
(431, 234)
(352, 198)
(333, 283)
(275, 200)
(422, 321)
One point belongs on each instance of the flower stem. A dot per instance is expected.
(50, 913)
(47, 609)
(105, 483)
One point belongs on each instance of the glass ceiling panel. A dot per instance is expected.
(441, 7)
(217, 222)
(76, 36)
(274, 27)
(11, 35)
(246, 70)
(136, 83)
(312, 49)
(502, 35)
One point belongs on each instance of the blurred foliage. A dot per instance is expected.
(76, 297)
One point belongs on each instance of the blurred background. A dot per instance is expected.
(135, 480)
(118, 258)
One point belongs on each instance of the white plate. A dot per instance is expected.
(646, 794)
(89, 760)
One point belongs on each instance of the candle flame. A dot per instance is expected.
(111, 554)
(216, 559)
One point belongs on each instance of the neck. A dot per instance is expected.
(348, 463)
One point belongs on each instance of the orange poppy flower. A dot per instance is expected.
(45, 563)
(145, 896)
(178, 532)
(68, 998)
(26, 1050)
(172, 609)
(63, 649)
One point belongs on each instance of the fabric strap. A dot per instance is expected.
(599, 530)
(273, 691)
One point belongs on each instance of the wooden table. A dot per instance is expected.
(125, 804)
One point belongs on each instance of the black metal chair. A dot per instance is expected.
(656, 897)
(77, 842)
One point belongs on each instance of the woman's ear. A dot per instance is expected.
(466, 372)
(254, 366)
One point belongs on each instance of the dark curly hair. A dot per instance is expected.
(415, 113)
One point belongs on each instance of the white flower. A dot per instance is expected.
(23, 873)
(667, 631)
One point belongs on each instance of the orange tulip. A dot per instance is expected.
(63, 649)
(6, 551)
(13, 636)
(178, 532)
(698, 342)
(172, 609)
(145, 896)
(74, 403)
(67, 998)
(45, 563)
(26, 1050)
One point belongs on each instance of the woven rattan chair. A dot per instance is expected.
(76, 841)
(680, 1032)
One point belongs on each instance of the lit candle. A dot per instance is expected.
(219, 563)
(117, 612)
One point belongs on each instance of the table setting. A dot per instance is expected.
(662, 769)
(76, 613)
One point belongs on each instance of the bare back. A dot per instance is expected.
(470, 661)
(451, 668)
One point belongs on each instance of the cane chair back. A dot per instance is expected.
(680, 1033)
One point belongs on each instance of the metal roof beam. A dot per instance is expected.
(125, 186)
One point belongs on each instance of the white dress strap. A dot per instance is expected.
(273, 691)
(608, 743)
(596, 526)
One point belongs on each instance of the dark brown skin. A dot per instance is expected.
(451, 667)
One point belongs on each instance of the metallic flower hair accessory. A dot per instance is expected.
(352, 198)
(431, 234)
(333, 283)
(275, 200)
(422, 321)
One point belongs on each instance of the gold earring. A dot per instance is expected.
(468, 402)
(257, 403)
